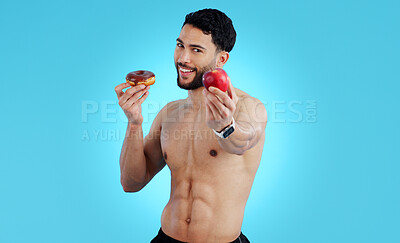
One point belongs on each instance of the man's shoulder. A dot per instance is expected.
(173, 105)
(245, 98)
(169, 109)
(250, 105)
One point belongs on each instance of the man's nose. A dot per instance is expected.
(185, 57)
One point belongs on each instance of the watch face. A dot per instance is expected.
(228, 132)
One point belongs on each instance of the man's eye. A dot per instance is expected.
(196, 50)
(179, 45)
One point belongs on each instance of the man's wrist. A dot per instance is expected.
(134, 126)
(220, 130)
(228, 130)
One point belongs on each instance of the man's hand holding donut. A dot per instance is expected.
(220, 106)
(131, 100)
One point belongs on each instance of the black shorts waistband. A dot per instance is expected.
(164, 238)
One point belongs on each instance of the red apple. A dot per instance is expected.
(217, 78)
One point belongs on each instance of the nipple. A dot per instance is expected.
(213, 153)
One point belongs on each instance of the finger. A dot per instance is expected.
(214, 110)
(134, 98)
(140, 93)
(130, 92)
(118, 89)
(135, 88)
(205, 92)
(222, 109)
(214, 114)
(217, 92)
(209, 113)
(143, 98)
(223, 97)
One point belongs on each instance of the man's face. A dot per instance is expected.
(194, 55)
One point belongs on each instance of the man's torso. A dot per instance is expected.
(209, 187)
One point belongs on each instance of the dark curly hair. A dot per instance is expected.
(216, 23)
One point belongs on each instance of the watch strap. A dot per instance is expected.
(226, 131)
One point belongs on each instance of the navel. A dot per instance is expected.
(213, 153)
(188, 220)
(165, 155)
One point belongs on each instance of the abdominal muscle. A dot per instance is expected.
(205, 209)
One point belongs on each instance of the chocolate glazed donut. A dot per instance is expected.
(141, 77)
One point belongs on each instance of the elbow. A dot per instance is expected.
(236, 150)
(239, 151)
(131, 187)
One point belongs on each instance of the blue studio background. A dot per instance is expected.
(327, 71)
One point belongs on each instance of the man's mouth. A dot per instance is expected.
(185, 72)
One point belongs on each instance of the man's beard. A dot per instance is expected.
(198, 79)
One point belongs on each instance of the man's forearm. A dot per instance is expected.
(133, 160)
(240, 140)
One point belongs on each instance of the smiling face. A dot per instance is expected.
(195, 54)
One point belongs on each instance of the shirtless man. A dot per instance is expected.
(211, 176)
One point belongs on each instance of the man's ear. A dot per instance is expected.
(222, 58)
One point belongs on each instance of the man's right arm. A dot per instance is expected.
(140, 159)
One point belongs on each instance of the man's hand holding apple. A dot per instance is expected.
(220, 105)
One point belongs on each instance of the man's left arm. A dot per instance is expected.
(249, 114)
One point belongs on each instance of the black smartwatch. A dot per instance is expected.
(226, 131)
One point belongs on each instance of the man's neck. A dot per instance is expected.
(196, 98)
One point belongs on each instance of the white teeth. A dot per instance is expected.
(185, 70)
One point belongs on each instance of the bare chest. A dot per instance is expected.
(188, 142)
